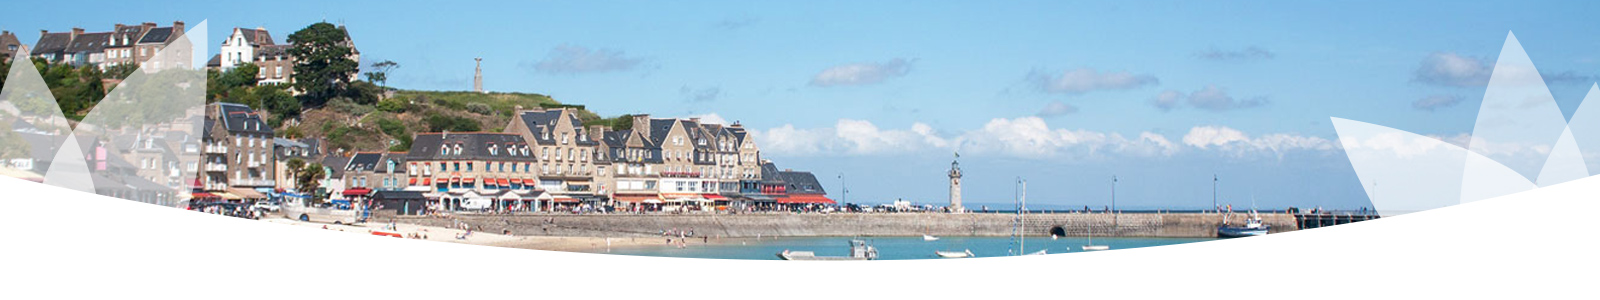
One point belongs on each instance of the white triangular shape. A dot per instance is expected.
(69, 169)
(1565, 162)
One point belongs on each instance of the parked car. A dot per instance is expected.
(267, 206)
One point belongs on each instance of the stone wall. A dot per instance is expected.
(885, 224)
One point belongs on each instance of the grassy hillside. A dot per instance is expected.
(390, 123)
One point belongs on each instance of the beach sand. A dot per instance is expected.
(555, 243)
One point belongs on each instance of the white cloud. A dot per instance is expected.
(1246, 54)
(1451, 69)
(1235, 142)
(1024, 137)
(1056, 109)
(569, 59)
(1084, 80)
(710, 118)
(1210, 98)
(1167, 100)
(862, 73)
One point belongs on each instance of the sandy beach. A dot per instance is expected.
(555, 243)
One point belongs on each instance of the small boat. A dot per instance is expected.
(1091, 246)
(859, 250)
(1040, 252)
(929, 238)
(954, 254)
(1252, 227)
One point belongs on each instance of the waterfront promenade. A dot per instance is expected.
(850, 224)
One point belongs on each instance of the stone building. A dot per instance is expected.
(9, 45)
(125, 44)
(238, 147)
(563, 150)
(256, 46)
(475, 171)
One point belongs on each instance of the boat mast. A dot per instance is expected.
(1022, 227)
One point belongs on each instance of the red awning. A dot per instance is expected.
(805, 199)
(564, 200)
(357, 192)
(714, 197)
(455, 179)
(636, 198)
(427, 181)
(202, 195)
(413, 181)
(503, 181)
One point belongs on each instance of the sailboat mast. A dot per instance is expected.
(1022, 231)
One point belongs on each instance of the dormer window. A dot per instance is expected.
(444, 150)
(493, 150)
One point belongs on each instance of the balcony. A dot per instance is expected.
(216, 149)
(216, 167)
(253, 164)
(251, 182)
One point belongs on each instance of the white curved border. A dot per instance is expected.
(66, 244)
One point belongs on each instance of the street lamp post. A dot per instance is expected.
(1114, 200)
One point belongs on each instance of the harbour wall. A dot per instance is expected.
(850, 224)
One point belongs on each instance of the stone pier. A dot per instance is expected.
(853, 224)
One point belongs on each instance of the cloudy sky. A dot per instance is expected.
(1162, 94)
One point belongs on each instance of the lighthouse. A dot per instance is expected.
(955, 185)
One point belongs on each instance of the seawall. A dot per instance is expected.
(851, 224)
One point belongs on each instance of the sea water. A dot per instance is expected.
(888, 247)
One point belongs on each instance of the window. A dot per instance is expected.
(458, 166)
(277, 72)
(444, 151)
(564, 138)
(492, 149)
(469, 167)
(503, 167)
(458, 149)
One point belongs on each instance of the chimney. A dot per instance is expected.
(597, 132)
(148, 25)
(43, 32)
(76, 32)
(735, 124)
(177, 27)
(516, 109)
(641, 124)
(118, 27)
(695, 119)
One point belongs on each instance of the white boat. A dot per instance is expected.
(1091, 246)
(859, 250)
(929, 238)
(1040, 252)
(954, 254)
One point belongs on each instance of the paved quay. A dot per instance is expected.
(850, 224)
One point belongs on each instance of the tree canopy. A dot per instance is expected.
(323, 62)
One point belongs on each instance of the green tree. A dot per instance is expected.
(438, 122)
(323, 67)
(278, 102)
(309, 177)
(380, 72)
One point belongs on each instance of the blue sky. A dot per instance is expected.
(1063, 94)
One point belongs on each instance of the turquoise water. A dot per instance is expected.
(888, 247)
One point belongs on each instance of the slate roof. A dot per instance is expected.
(548, 119)
(53, 42)
(659, 128)
(273, 50)
(770, 173)
(256, 37)
(238, 118)
(215, 61)
(129, 33)
(337, 164)
(158, 35)
(364, 161)
(473, 145)
(89, 42)
(802, 182)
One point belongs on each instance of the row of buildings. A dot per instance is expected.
(138, 44)
(545, 160)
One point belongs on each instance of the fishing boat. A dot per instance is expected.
(1252, 227)
(859, 250)
(954, 254)
(929, 238)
